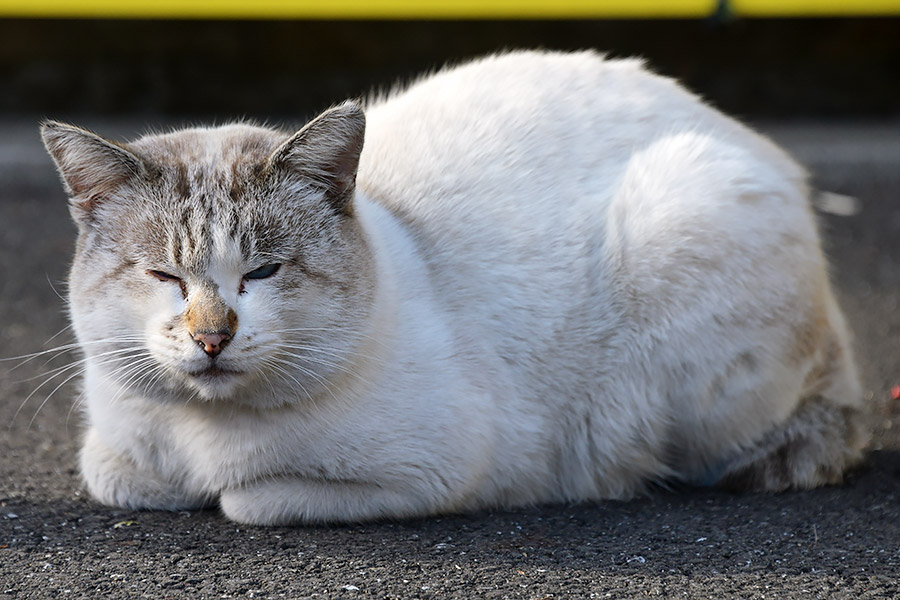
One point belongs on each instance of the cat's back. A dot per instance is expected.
(519, 124)
(507, 170)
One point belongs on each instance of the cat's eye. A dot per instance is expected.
(263, 271)
(162, 275)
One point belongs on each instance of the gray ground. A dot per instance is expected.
(840, 542)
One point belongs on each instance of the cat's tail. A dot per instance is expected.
(825, 435)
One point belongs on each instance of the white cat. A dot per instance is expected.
(555, 277)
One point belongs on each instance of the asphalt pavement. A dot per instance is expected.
(836, 542)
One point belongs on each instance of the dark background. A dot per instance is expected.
(784, 68)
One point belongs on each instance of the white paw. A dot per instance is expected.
(261, 504)
(114, 480)
(288, 500)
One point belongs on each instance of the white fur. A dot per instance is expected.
(579, 267)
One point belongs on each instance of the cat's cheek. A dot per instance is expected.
(104, 312)
(163, 328)
(258, 310)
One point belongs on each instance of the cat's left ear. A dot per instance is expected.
(90, 166)
(327, 151)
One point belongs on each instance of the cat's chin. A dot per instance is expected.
(214, 382)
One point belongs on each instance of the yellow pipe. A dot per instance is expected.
(813, 8)
(438, 9)
(362, 9)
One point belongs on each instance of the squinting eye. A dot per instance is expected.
(263, 272)
(162, 276)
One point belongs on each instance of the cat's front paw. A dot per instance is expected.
(114, 480)
(264, 504)
(289, 500)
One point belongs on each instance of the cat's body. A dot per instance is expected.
(558, 278)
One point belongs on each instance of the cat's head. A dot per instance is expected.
(221, 263)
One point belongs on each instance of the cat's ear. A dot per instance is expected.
(90, 166)
(327, 151)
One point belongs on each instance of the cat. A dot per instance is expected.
(537, 277)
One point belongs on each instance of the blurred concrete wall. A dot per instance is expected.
(796, 68)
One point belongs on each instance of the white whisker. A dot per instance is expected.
(324, 363)
(58, 333)
(56, 370)
(80, 368)
(52, 287)
(275, 364)
(26, 358)
(322, 331)
(129, 374)
(79, 400)
(50, 395)
(309, 373)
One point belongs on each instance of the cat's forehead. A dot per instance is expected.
(208, 177)
(207, 204)
(211, 149)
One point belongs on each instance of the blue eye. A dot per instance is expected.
(263, 272)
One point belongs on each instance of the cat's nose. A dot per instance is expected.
(212, 343)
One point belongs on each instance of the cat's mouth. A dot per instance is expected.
(214, 371)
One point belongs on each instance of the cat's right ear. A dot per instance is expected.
(91, 167)
(327, 151)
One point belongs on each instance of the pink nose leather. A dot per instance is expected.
(212, 343)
